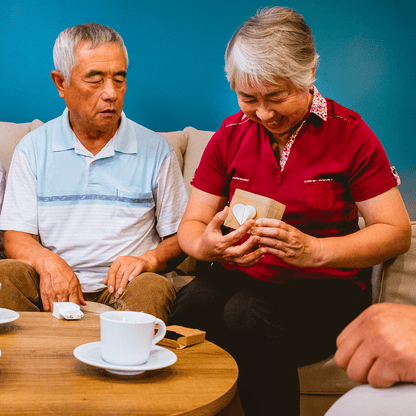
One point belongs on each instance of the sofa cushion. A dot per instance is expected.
(10, 135)
(324, 377)
(398, 276)
(179, 141)
(197, 140)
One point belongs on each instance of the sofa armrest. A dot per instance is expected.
(398, 276)
(197, 141)
(179, 141)
(10, 135)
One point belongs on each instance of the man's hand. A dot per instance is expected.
(126, 268)
(379, 346)
(58, 282)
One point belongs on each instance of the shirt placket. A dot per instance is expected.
(319, 108)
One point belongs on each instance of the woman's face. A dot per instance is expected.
(280, 107)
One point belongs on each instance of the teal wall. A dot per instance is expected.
(176, 48)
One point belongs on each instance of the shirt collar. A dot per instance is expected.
(319, 106)
(64, 138)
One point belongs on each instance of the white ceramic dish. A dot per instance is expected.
(91, 354)
(7, 315)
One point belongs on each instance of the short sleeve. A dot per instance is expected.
(19, 211)
(371, 173)
(170, 195)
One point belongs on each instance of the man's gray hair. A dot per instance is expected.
(66, 43)
(276, 42)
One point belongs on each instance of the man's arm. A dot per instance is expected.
(58, 283)
(125, 268)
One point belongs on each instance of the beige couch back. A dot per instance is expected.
(188, 144)
(10, 135)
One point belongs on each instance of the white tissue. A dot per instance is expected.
(67, 310)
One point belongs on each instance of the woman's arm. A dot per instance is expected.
(200, 235)
(387, 234)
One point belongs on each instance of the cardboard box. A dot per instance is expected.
(180, 337)
(265, 207)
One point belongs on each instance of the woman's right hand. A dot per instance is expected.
(214, 246)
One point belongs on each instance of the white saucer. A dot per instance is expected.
(91, 354)
(7, 315)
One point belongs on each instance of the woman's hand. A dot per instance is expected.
(214, 246)
(287, 243)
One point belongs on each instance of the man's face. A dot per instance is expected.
(95, 94)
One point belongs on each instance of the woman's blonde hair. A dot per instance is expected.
(275, 43)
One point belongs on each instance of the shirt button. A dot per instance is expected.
(278, 178)
(93, 163)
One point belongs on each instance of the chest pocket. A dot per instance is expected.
(135, 198)
(238, 183)
(319, 194)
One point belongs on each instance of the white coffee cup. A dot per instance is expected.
(127, 337)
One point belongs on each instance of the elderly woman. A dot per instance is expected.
(276, 294)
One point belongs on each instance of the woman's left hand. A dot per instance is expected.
(287, 243)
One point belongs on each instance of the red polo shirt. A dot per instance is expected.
(332, 160)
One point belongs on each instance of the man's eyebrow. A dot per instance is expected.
(95, 72)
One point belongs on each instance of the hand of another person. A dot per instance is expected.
(287, 242)
(58, 282)
(218, 247)
(125, 268)
(379, 346)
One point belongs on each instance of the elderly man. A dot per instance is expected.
(93, 200)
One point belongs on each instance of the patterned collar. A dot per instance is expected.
(319, 108)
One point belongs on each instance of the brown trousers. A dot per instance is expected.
(148, 292)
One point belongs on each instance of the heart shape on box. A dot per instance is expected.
(243, 212)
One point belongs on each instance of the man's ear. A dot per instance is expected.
(59, 81)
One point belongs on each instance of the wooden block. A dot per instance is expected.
(180, 337)
(265, 207)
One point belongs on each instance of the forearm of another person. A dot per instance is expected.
(201, 237)
(57, 281)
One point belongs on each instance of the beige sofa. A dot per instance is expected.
(321, 383)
